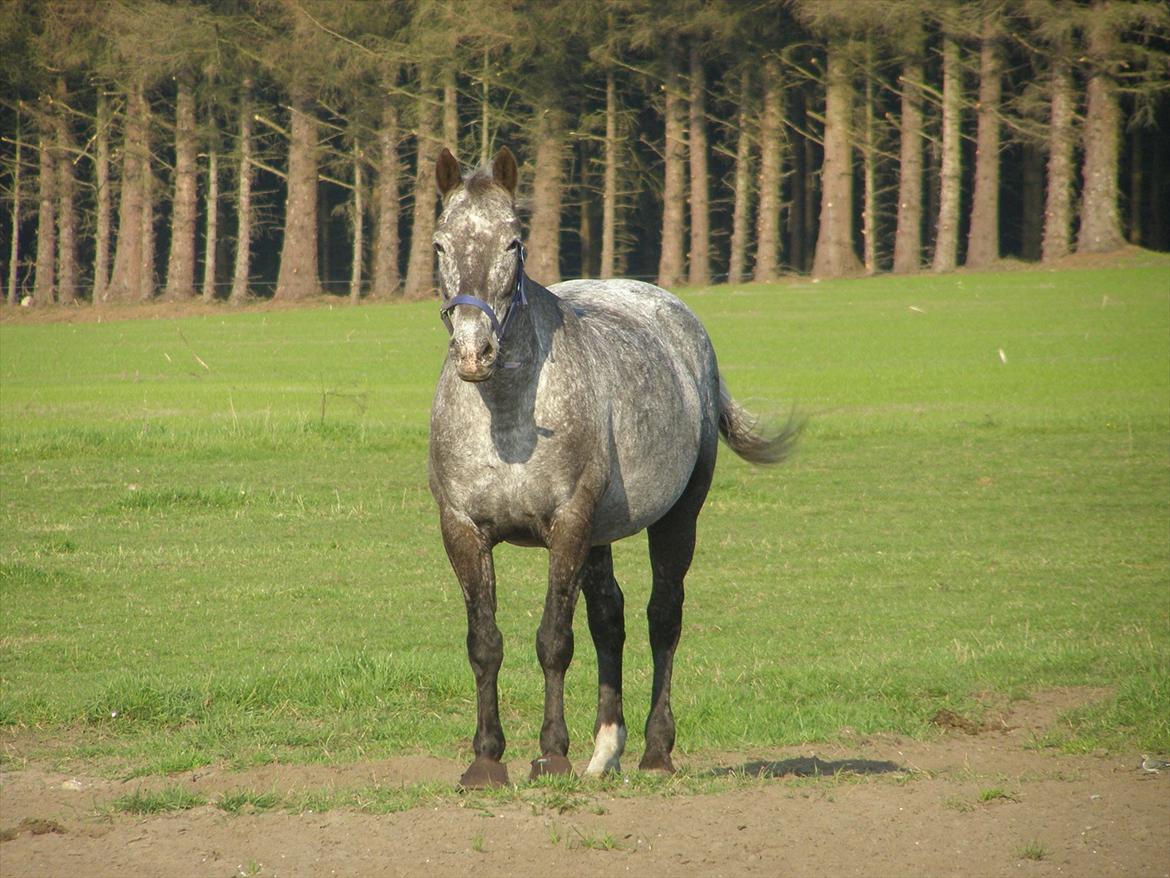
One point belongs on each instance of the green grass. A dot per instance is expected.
(596, 841)
(997, 794)
(247, 802)
(1032, 850)
(172, 798)
(241, 564)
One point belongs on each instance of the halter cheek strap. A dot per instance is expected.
(499, 327)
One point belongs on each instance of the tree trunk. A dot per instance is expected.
(700, 257)
(101, 258)
(609, 191)
(146, 274)
(386, 278)
(297, 278)
(420, 267)
(869, 170)
(1058, 200)
(14, 244)
(798, 147)
(742, 209)
(45, 281)
(126, 275)
(835, 255)
(181, 261)
(359, 227)
(544, 234)
(674, 191)
(933, 188)
(1031, 200)
(1156, 232)
(485, 139)
(908, 236)
(450, 112)
(1100, 230)
(812, 188)
(66, 207)
(211, 238)
(585, 218)
(324, 241)
(242, 269)
(1136, 187)
(983, 235)
(946, 243)
(771, 164)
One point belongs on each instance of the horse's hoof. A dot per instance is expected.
(553, 763)
(656, 762)
(483, 773)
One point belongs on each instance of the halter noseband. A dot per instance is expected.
(499, 327)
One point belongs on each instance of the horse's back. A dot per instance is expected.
(633, 325)
(632, 300)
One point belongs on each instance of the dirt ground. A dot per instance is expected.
(975, 801)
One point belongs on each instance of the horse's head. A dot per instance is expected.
(481, 260)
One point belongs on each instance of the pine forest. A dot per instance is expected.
(175, 150)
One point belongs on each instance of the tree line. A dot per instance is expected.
(230, 149)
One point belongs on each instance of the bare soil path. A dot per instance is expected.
(965, 804)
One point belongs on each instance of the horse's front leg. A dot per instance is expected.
(471, 557)
(568, 544)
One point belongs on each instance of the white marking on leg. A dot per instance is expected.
(607, 749)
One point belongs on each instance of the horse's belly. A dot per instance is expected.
(649, 472)
(630, 509)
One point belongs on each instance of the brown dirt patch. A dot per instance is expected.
(963, 804)
(86, 312)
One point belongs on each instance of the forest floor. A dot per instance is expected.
(973, 801)
(159, 309)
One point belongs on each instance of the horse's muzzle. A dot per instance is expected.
(474, 365)
(475, 375)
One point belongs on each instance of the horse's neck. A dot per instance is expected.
(528, 344)
(537, 325)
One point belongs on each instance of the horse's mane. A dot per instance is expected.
(480, 180)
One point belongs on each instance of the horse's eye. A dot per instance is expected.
(513, 245)
(439, 248)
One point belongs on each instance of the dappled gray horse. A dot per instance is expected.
(568, 418)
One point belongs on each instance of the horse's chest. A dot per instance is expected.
(511, 486)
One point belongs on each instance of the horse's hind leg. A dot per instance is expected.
(606, 608)
(672, 545)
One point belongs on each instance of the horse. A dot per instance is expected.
(587, 412)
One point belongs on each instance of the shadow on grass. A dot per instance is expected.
(810, 766)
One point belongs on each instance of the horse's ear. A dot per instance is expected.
(504, 169)
(447, 173)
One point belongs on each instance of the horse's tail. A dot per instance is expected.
(738, 427)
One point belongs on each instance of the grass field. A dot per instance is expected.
(217, 544)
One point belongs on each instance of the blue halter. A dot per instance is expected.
(499, 327)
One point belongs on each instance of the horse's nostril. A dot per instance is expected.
(485, 350)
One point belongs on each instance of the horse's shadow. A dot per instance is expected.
(809, 766)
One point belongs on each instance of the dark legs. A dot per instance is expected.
(604, 603)
(568, 544)
(470, 553)
(471, 559)
(672, 545)
(575, 566)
